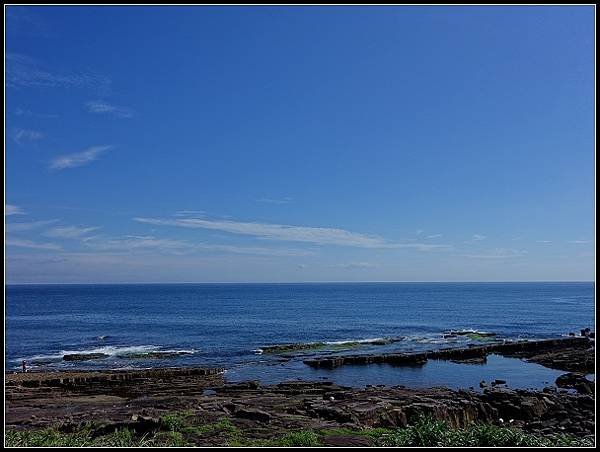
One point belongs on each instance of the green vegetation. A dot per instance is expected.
(179, 429)
(303, 438)
(428, 432)
(82, 438)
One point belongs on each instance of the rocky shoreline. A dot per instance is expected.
(139, 400)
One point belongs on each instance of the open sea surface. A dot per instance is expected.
(227, 325)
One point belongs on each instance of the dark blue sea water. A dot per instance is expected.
(227, 324)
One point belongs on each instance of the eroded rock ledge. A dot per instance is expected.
(570, 354)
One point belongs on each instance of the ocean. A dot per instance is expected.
(228, 325)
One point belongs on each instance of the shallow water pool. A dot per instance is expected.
(516, 372)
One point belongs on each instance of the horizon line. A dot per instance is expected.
(297, 282)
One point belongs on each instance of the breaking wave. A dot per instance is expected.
(109, 350)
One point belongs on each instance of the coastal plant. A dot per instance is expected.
(45, 437)
(167, 439)
(427, 432)
(175, 422)
(222, 425)
(302, 438)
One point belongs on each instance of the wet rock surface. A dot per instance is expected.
(575, 381)
(571, 359)
(84, 356)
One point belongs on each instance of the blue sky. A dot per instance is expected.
(203, 144)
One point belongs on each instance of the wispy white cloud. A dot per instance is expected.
(543, 241)
(103, 107)
(274, 231)
(419, 246)
(33, 245)
(478, 237)
(29, 113)
(434, 236)
(78, 158)
(135, 242)
(318, 235)
(22, 135)
(579, 242)
(23, 71)
(27, 226)
(498, 253)
(354, 265)
(285, 200)
(10, 209)
(70, 232)
(190, 213)
(254, 250)
(23, 21)
(172, 246)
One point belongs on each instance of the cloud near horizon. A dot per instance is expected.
(27, 226)
(10, 209)
(78, 159)
(498, 253)
(33, 245)
(317, 235)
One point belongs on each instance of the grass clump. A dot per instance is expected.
(83, 438)
(175, 422)
(302, 438)
(222, 425)
(45, 437)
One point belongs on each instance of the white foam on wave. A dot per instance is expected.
(110, 350)
(362, 341)
(468, 331)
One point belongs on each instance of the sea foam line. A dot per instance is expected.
(109, 350)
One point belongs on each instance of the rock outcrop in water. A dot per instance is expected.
(84, 356)
(303, 346)
(131, 355)
(153, 355)
(471, 334)
(518, 349)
